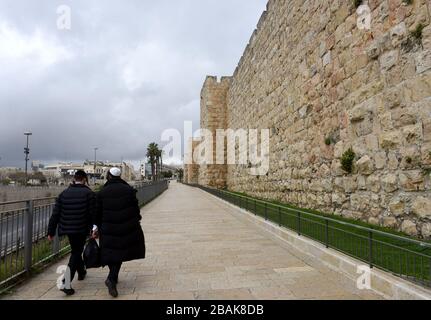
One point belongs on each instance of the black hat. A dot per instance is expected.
(80, 174)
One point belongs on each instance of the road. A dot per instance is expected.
(12, 229)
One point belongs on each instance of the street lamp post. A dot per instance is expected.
(95, 164)
(27, 152)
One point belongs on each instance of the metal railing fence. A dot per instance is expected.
(402, 256)
(148, 192)
(23, 233)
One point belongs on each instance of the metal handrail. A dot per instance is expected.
(325, 217)
(23, 201)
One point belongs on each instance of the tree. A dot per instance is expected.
(153, 156)
(18, 177)
(39, 176)
(159, 163)
(180, 174)
(5, 182)
(168, 175)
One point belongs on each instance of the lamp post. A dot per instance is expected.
(27, 152)
(95, 164)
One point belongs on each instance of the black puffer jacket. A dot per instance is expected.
(118, 219)
(74, 211)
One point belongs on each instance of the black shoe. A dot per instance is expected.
(112, 287)
(81, 276)
(68, 292)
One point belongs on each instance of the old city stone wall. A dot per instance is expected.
(214, 117)
(322, 85)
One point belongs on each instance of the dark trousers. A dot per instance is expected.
(76, 264)
(114, 271)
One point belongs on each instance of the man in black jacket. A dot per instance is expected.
(73, 215)
(118, 219)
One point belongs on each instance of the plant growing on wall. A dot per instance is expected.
(331, 139)
(417, 33)
(347, 160)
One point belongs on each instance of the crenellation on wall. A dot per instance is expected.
(322, 86)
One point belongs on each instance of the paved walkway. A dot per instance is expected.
(200, 248)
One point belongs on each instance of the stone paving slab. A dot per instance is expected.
(197, 248)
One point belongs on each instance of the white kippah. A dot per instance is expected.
(115, 172)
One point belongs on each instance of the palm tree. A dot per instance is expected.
(160, 157)
(152, 155)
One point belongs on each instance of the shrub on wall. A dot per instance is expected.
(417, 33)
(347, 160)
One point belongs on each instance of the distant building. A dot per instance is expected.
(5, 172)
(36, 166)
(127, 170)
(146, 171)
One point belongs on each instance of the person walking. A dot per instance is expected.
(118, 226)
(73, 216)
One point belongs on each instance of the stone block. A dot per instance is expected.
(393, 161)
(326, 59)
(365, 166)
(412, 134)
(373, 51)
(427, 130)
(380, 160)
(390, 140)
(388, 60)
(398, 33)
(422, 207)
(390, 222)
(423, 61)
(390, 183)
(412, 180)
(374, 221)
(373, 183)
(409, 228)
(426, 230)
(397, 207)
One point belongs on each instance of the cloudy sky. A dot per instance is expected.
(123, 73)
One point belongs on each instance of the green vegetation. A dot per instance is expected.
(168, 175)
(408, 2)
(397, 254)
(5, 182)
(180, 174)
(417, 33)
(347, 160)
(13, 263)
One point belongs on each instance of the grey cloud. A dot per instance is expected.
(125, 72)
